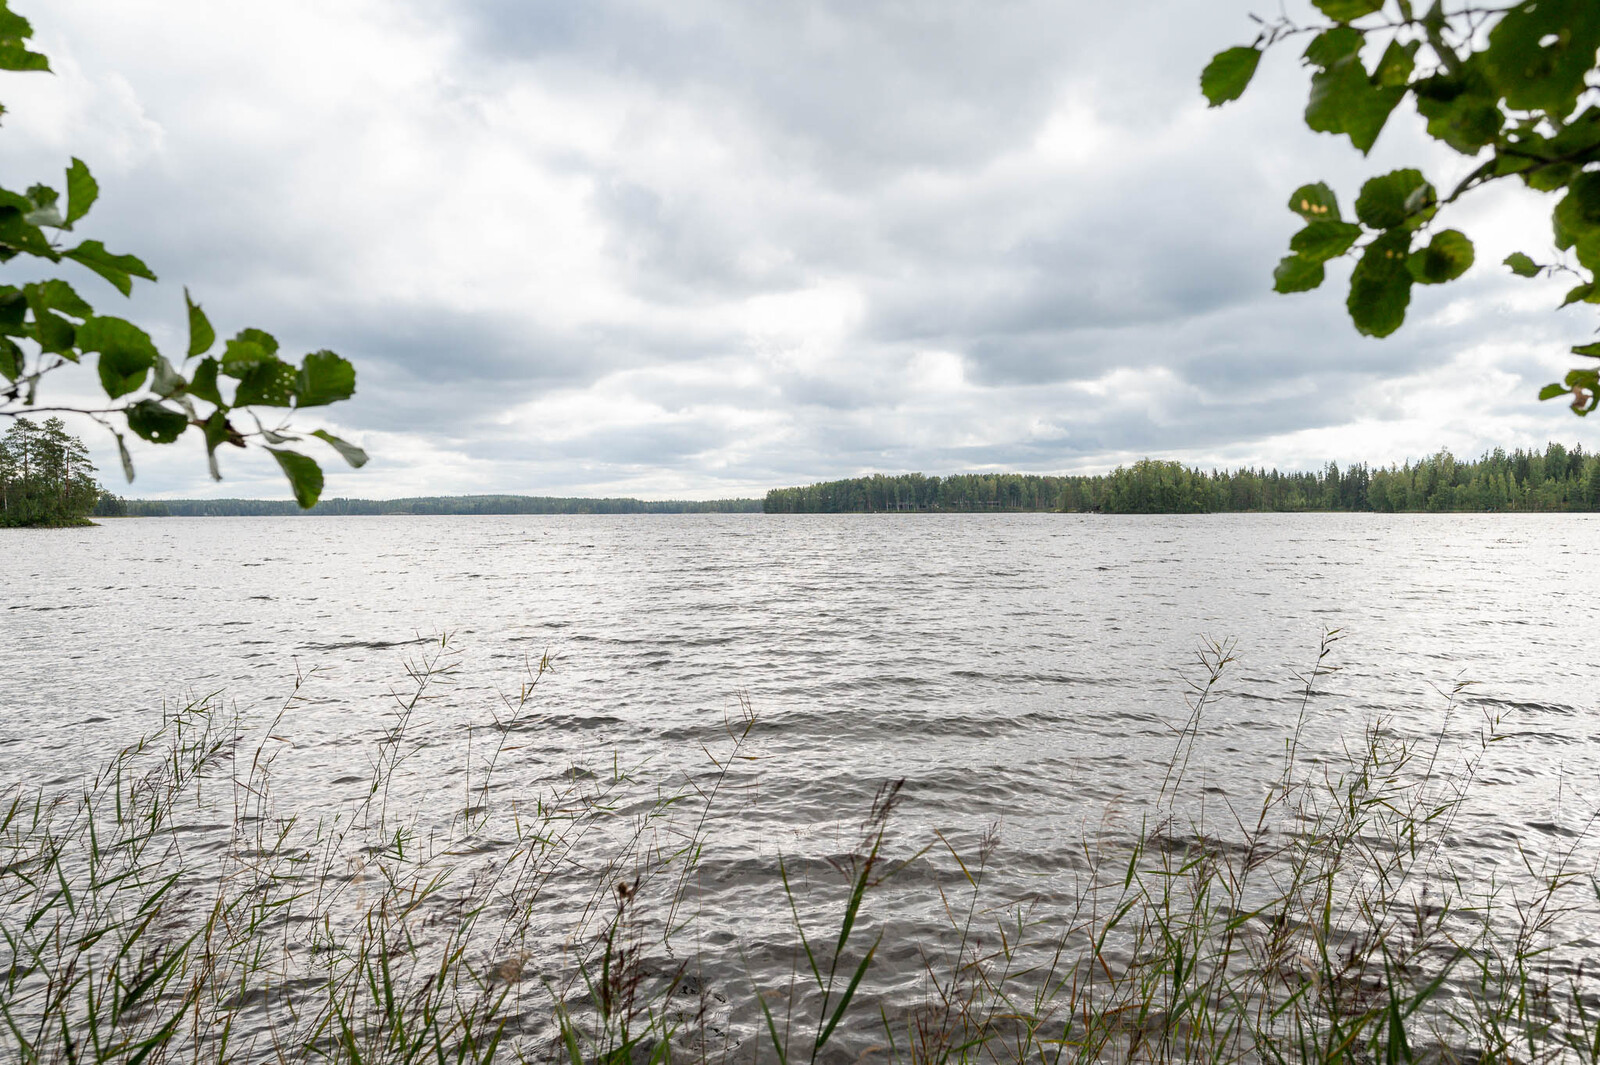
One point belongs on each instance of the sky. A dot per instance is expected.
(699, 249)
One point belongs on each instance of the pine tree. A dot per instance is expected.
(46, 476)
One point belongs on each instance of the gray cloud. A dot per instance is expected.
(854, 88)
(711, 247)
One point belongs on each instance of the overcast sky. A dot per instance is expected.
(688, 248)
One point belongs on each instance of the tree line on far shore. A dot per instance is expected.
(116, 507)
(1557, 478)
(47, 478)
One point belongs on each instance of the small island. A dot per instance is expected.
(46, 477)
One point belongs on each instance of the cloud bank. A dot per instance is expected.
(703, 248)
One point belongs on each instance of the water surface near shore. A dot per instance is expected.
(1019, 670)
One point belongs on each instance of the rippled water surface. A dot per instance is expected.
(1021, 670)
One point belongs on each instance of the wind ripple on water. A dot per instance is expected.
(1027, 670)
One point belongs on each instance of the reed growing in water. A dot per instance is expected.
(1329, 924)
(168, 911)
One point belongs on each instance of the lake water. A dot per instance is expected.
(1024, 671)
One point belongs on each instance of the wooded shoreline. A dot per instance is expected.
(1556, 479)
(114, 507)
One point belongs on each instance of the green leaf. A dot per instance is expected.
(166, 381)
(1448, 255)
(1522, 265)
(240, 356)
(1548, 177)
(1552, 391)
(1588, 350)
(16, 57)
(19, 236)
(82, 190)
(1321, 241)
(117, 269)
(1580, 137)
(1380, 285)
(203, 382)
(325, 378)
(1586, 293)
(352, 454)
(15, 200)
(127, 459)
(1297, 274)
(1462, 109)
(156, 423)
(1344, 100)
(1315, 203)
(1540, 53)
(305, 476)
(14, 54)
(13, 312)
(262, 339)
(1551, 163)
(126, 353)
(1347, 10)
(12, 25)
(1383, 203)
(1228, 74)
(269, 383)
(57, 295)
(1338, 45)
(44, 211)
(54, 334)
(1399, 60)
(201, 335)
(218, 432)
(11, 359)
(1577, 219)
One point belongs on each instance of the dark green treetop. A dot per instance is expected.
(1513, 84)
(46, 476)
(46, 326)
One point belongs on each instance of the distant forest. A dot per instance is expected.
(116, 507)
(1557, 478)
(1554, 479)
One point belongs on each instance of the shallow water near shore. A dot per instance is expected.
(1024, 671)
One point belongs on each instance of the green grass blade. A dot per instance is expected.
(772, 1030)
(844, 1000)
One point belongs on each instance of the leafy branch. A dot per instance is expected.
(46, 326)
(1519, 82)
